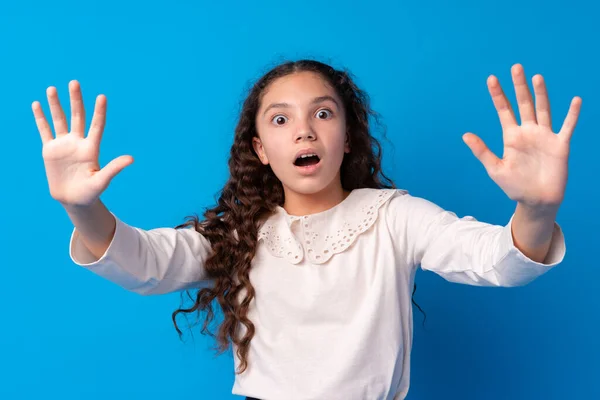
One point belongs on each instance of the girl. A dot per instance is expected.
(311, 251)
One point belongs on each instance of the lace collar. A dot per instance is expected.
(325, 233)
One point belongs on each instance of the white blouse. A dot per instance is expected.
(332, 311)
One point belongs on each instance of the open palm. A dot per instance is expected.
(534, 167)
(71, 159)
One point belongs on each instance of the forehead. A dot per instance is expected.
(299, 87)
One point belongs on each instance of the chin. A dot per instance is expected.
(309, 186)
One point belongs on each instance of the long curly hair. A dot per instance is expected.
(253, 191)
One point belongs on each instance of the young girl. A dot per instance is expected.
(311, 251)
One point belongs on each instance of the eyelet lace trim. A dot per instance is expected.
(322, 240)
(281, 242)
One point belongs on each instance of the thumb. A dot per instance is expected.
(481, 151)
(110, 170)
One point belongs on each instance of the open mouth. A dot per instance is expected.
(307, 160)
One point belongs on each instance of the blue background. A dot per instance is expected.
(175, 73)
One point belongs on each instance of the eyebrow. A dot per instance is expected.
(316, 100)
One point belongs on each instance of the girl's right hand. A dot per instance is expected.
(71, 159)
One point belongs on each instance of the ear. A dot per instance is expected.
(260, 150)
(347, 144)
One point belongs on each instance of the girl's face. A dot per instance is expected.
(301, 113)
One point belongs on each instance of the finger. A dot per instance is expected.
(503, 107)
(542, 103)
(524, 98)
(98, 120)
(58, 116)
(106, 174)
(571, 120)
(489, 160)
(77, 110)
(41, 122)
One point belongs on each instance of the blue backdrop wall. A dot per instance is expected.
(175, 73)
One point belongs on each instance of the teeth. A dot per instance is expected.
(307, 155)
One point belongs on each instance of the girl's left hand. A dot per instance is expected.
(533, 169)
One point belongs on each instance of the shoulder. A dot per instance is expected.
(405, 210)
(372, 197)
(379, 203)
(369, 206)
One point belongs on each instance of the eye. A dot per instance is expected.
(324, 114)
(279, 120)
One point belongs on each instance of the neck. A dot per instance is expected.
(312, 203)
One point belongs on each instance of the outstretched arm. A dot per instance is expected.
(152, 261)
(534, 167)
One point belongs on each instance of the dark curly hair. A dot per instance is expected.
(252, 193)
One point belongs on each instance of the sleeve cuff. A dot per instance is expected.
(516, 268)
(81, 255)
(556, 252)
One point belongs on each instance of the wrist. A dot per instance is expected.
(539, 211)
(81, 208)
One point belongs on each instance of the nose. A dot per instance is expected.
(305, 132)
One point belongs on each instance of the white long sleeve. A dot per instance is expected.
(148, 262)
(468, 251)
